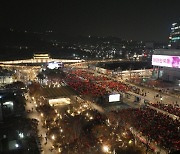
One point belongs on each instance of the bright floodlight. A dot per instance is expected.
(105, 148)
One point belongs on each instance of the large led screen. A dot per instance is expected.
(54, 65)
(166, 61)
(114, 98)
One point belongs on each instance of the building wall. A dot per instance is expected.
(174, 38)
(168, 73)
(6, 79)
(171, 74)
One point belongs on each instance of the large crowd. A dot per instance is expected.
(172, 109)
(87, 83)
(157, 127)
(84, 87)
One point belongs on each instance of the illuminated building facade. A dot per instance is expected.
(166, 64)
(6, 77)
(174, 38)
(41, 56)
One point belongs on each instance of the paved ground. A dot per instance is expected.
(151, 93)
(166, 98)
(42, 131)
(57, 92)
(63, 91)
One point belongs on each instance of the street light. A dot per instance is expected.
(59, 150)
(130, 141)
(105, 148)
(16, 145)
(91, 118)
(21, 135)
(53, 137)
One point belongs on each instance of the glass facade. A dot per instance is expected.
(174, 38)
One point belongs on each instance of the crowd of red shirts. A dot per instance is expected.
(172, 109)
(154, 125)
(157, 127)
(87, 83)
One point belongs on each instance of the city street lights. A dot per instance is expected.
(105, 149)
(17, 145)
(42, 115)
(161, 99)
(53, 137)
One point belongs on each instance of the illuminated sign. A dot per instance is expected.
(166, 61)
(114, 98)
(59, 101)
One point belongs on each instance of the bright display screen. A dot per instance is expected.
(54, 65)
(59, 101)
(166, 61)
(114, 98)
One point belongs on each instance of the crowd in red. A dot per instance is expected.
(88, 75)
(157, 127)
(86, 83)
(84, 87)
(173, 109)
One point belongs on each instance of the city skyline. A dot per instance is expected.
(146, 21)
(90, 76)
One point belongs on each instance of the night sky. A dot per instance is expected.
(147, 20)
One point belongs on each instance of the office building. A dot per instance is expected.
(174, 38)
(166, 65)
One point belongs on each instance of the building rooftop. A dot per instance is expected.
(171, 52)
(41, 56)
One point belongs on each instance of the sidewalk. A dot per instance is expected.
(167, 98)
(130, 102)
(42, 131)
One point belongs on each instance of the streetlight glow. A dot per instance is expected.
(53, 137)
(105, 148)
(16, 145)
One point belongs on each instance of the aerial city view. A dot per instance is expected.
(90, 77)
